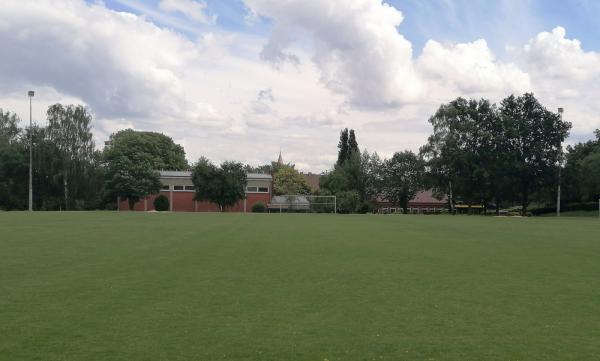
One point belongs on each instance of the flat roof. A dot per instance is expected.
(175, 173)
(188, 174)
(258, 176)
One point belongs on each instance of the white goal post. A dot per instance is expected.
(303, 203)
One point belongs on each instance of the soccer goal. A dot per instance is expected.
(300, 203)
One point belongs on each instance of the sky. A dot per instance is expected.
(243, 79)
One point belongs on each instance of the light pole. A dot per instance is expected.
(560, 114)
(31, 93)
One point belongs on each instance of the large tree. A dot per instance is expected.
(133, 160)
(590, 175)
(287, 180)
(448, 150)
(9, 126)
(575, 173)
(343, 149)
(534, 136)
(132, 178)
(373, 172)
(224, 185)
(69, 129)
(14, 159)
(352, 142)
(403, 175)
(161, 151)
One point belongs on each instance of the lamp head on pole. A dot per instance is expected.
(31, 93)
(561, 110)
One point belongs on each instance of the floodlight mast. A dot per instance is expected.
(560, 155)
(31, 93)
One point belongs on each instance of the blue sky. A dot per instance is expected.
(499, 22)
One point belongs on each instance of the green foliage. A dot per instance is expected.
(590, 166)
(158, 149)
(343, 149)
(66, 168)
(348, 201)
(580, 176)
(347, 146)
(14, 158)
(224, 185)
(355, 178)
(479, 153)
(69, 130)
(161, 203)
(403, 178)
(9, 127)
(14, 171)
(133, 159)
(259, 207)
(288, 180)
(131, 178)
(535, 137)
(352, 143)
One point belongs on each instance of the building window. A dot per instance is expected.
(166, 187)
(256, 189)
(189, 188)
(177, 188)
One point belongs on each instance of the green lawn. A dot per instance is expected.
(574, 214)
(147, 286)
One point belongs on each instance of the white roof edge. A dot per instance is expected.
(187, 174)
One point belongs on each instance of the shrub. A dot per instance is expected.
(161, 203)
(258, 208)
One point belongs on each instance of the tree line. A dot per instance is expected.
(70, 173)
(478, 152)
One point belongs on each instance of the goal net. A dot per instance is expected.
(299, 203)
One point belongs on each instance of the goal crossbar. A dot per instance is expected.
(302, 202)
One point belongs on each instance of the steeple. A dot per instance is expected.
(280, 159)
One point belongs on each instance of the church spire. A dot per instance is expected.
(280, 159)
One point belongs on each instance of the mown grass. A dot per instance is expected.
(138, 286)
(574, 214)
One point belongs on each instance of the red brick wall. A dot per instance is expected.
(184, 202)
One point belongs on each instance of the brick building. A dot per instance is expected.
(178, 187)
(423, 202)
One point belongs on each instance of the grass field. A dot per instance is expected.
(595, 214)
(135, 286)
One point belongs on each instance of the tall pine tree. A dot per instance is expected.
(352, 143)
(344, 151)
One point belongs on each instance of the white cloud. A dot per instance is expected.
(214, 94)
(470, 69)
(192, 9)
(356, 47)
(564, 75)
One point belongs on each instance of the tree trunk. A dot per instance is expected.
(450, 200)
(524, 196)
(131, 203)
(65, 184)
(524, 203)
(497, 206)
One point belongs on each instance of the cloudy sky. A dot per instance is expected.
(240, 79)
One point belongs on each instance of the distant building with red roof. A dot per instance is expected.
(423, 202)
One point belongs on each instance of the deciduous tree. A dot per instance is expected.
(403, 176)
(224, 185)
